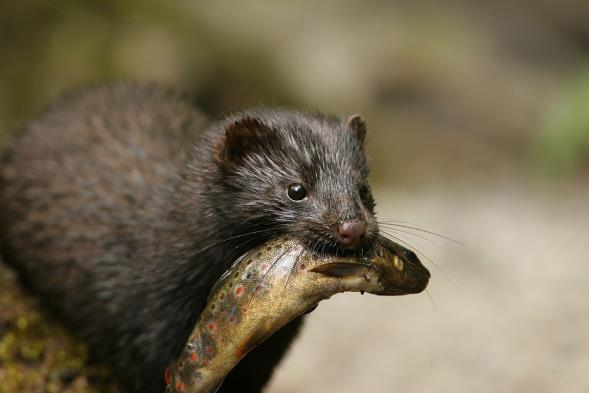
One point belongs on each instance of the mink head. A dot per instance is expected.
(284, 172)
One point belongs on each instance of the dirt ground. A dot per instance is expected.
(509, 313)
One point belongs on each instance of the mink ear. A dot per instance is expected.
(242, 136)
(357, 125)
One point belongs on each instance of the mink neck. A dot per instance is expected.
(182, 248)
(193, 239)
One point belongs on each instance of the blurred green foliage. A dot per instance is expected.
(563, 145)
(459, 91)
(51, 47)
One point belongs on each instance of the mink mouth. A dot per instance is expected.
(323, 243)
(330, 247)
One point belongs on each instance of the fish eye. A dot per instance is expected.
(296, 192)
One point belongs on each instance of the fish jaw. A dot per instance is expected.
(351, 276)
(388, 271)
(399, 270)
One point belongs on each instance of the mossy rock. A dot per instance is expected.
(37, 355)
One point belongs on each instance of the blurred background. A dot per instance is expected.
(478, 119)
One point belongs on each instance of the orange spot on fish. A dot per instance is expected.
(180, 387)
(193, 356)
(240, 352)
(263, 267)
(167, 376)
(212, 326)
(239, 290)
(232, 318)
(210, 350)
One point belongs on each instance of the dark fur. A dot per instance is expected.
(118, 216)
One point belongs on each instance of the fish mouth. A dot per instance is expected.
(415, 285)
(405, 275)
(414, 279)
(384, 282)
(422, 282)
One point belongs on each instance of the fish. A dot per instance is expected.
(270, 286)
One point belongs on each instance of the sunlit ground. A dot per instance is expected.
(508, 313)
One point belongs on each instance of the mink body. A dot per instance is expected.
(121, 208)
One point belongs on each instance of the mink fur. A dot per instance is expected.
(121, 207)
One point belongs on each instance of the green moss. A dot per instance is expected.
(37, 355)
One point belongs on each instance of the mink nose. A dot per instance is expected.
(351, 233)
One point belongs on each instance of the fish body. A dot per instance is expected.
(270, 286)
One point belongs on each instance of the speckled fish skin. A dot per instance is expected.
(271, 285)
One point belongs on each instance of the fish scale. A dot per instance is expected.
(270, 286)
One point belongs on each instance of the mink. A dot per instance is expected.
(122, 205)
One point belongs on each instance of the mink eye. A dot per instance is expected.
(296, 192)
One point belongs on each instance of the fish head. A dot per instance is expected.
(399, 270)
(390, 269)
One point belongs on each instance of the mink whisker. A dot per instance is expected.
(192, 254)
(431, 299)
(270, 268)
(416, 235)
(287, 279)
(396, 224)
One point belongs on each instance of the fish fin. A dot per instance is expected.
(221, 281)
(340, 269)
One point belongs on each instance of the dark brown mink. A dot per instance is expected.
(121, 207)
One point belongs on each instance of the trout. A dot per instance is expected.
(271, 285)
